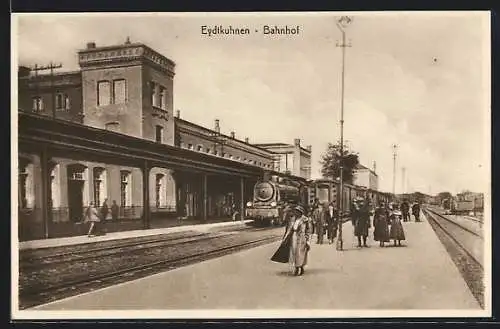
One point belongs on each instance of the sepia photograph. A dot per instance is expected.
(257, 165)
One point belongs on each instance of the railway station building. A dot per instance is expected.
(128, 89)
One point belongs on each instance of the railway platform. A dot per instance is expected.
(82, 239)
(416, 276)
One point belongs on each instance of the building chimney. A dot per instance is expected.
(374, 166)
(91, 45)
(296, 141)
(217, 127)
(232, 134)
(246, 140)
(178, 114)
(309, 148)
(127, 42)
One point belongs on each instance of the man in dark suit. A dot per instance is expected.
(332, 223)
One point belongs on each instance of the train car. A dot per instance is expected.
(270, 198)
(462, 207)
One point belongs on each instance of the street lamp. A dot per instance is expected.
(342, 23)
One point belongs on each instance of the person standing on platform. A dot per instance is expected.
(355, 211)
(362, 223)
(320, 223)
(381, 224)
(104, 215)
(396, 232)
(405, 209)
(91, 216)
(296, 242)
(415, 209)
(332, 223)
(114, 211)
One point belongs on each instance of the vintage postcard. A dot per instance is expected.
(251, 165)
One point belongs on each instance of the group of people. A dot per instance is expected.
(415, 210)
(97, 218)
(302, 224)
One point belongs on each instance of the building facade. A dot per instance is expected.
(128, 89)
(365, 177)
(290, 158)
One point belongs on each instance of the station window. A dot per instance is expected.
(152, 93)
(99, 185)
(119, 91)
(103, 93)
(59, 101)
(200, 148)
(37, 103)
(208, 149)
(190, 146)
(125, 188)
(62, 102)
(159, 134)
(23, 200)
(161, 97)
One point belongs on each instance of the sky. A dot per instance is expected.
(420, 80)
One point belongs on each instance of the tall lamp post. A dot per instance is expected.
(342, 23)
(394, 155)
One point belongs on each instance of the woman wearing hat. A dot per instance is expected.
(296, 242)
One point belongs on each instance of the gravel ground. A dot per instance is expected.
(471, 271)
(33, 279)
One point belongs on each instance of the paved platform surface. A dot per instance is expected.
(417, 276)
(57, 242)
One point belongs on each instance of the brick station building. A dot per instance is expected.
(127, 88)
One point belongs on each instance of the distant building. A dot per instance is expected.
(290, 158)
(365, 177)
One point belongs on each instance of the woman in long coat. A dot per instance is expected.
(381, 225)
(296, 242)
(397, 232)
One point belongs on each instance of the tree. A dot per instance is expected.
(330, 162)
(442, 196)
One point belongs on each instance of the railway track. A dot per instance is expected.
(205, 248)
(465, 248)
(454, 231)
(29, 260)
(85, 255)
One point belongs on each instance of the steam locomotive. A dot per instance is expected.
(271, 196)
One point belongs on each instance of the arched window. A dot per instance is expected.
(160, 191)
(99, 186)
(125, 188)
(55, 187)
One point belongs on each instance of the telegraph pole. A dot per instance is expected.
(403, 190)
(342, 22)
(394, 154)
(50, 67)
